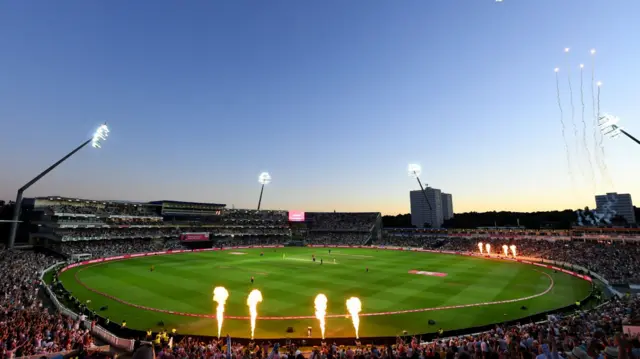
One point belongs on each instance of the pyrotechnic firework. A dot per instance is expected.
(488, 247)
(505, 249)
(220, 296)
(573, 108)
(354, 307)
(253, 299)
(584, 129)
(321, 310)
(513, 250)
(564, 136)
(480, 246)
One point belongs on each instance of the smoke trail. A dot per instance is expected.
(596, 128)
(564, 137)
(573, 111)
(584, 128)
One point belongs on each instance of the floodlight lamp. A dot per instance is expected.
(100, 136)
(414, 170)
(264, 178)
(609, 126)
(607, 120)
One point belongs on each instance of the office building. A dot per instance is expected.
(447, 206)
(621, 203)
(423, 213)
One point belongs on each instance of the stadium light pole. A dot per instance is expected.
(609, 127)
(263, 179)
(414, 171)
(99, 136)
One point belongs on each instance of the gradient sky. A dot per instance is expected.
(333, 98)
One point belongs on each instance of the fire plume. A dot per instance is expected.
(220, 296)
(321, 310)
(488, 247)
(513, 250)
(253, 299)
(354, 306)
(505, 249)
(480, 245)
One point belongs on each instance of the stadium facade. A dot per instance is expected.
(56, 222)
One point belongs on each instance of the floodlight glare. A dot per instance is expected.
(264, 178)
(96, 140)
(607, 120)
(609, 126)
(414, 170)
(100, 136)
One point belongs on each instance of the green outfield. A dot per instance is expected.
(184, 283)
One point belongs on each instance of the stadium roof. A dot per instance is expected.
(188, 203)
(70, 199)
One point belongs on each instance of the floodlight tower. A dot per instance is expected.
(99, 136)
(609, 127)
(263, 179)
(414, 171)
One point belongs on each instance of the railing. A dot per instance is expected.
(98, 331)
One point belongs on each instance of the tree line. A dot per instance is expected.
(530, 220)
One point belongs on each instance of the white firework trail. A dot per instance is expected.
(573, 109)
(564, 136)
(584, 129)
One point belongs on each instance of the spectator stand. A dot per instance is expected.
(97, 330)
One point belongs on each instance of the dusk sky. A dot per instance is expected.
(333, 98)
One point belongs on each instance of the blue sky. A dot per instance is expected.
(333, 98)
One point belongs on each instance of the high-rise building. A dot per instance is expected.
(447, 206)
(430, 213)
(621, 203)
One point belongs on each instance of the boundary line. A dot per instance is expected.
(213, 316)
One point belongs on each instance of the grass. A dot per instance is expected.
(185, 282)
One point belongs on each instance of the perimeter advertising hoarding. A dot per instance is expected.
(194, 237)
(296, 216)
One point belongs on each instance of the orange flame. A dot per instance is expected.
(321, 310)
(354, 306)
(220, 295)
(253, 299)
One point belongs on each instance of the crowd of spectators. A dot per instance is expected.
(592, 334)
(247, 216)
(616, 261)
(27, 327)
(103, 209)
(337, 238)
(253, 241)
(116, 247)
(253, 231)
(105, 233)
(332, 221)
(96, 234)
